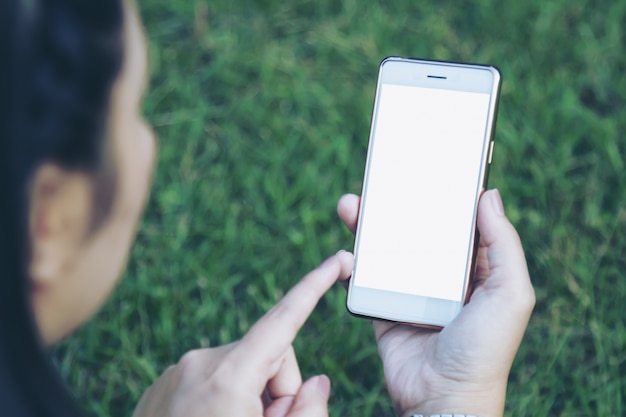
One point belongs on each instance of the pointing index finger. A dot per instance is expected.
(267, 341)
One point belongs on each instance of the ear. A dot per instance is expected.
(59, 218)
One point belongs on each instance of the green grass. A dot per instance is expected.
(263, 115)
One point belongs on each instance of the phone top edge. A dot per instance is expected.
(497, 74)
(491, 67)
(475, 78)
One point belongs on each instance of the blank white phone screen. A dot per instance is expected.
(421, 188)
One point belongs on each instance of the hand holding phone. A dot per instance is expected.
(464, 367)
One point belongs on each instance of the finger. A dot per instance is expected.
(508, 273)
(262, 348)
(312, 399)
(288, 379)
(346, 259)
(348, 210)
(279, 407)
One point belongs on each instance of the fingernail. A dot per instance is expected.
(497, 202)
(323, 385)
(340, 251)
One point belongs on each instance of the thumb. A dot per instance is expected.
(508, 273)
(312, 398)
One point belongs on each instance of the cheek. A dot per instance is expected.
(102, 261)
(85, 283)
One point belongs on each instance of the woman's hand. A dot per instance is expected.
(257, 375)
(463, 368)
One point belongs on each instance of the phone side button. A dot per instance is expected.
(490, 152)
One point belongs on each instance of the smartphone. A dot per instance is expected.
(430, 147)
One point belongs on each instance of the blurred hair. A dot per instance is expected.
(60, 60)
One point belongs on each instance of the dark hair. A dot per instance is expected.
(59, 61)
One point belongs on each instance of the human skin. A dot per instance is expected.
(258, 375)
(464, 367)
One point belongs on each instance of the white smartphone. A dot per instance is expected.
(430, 147)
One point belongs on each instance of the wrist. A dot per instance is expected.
(443, 415)
(476, 406)
(461, 410)
(466, 411)
(449, 413)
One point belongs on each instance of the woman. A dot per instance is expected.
(76, 160)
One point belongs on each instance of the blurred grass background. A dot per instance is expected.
(263, 108)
